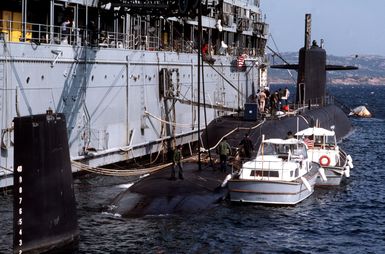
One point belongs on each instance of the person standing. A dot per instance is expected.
(177, 157)
(289, 135)
(65, 30)
(224, 151)
(261, 99)
(281, 94)
(247, 145)
(274, 102)
(93, 33)
(285, 96)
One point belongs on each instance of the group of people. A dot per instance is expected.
(223, 149)
(273, 102)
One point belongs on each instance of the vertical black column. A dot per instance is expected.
(311, 79)
(44, 201)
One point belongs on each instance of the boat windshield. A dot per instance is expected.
(300, 151)
(324, 140)
(283, 149)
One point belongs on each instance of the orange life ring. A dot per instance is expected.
(321, 160)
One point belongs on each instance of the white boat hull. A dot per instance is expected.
(272, 192)
(333, 175)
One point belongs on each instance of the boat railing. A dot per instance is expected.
(342, 160)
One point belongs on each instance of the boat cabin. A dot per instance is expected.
(318, 138)
(322, 145)
(277, 159)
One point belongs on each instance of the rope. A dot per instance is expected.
(280, 57)
(234, 130)
(124, 172)
(306, 121)
(7, 169)
(170, 123)
(118, 172)
(205, 108)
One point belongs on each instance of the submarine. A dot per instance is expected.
(203, 188)
(314, 107)
(44, 205)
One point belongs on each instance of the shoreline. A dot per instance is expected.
(372, 81)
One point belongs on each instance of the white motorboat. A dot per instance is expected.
(323, 149)
(280, 174)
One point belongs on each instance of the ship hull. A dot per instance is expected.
(116, 105)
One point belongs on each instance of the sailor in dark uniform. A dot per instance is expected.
(177, 157)
(247, 145)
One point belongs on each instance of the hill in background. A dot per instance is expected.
(371, 70)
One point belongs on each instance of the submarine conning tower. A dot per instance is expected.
(311, 67)
(44, 206)
(311, 79)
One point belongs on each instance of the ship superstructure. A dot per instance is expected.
(125, 76)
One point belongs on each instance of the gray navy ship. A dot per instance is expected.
(125, 73)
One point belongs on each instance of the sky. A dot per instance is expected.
(348, 27)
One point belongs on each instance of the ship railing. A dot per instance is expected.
(129, 41)
(154, 43)
(238, 51)
(298, 108)
(313, 103)
(15, 31)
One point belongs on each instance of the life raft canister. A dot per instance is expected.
(324, 160)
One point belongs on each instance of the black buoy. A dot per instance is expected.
(44, 202)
